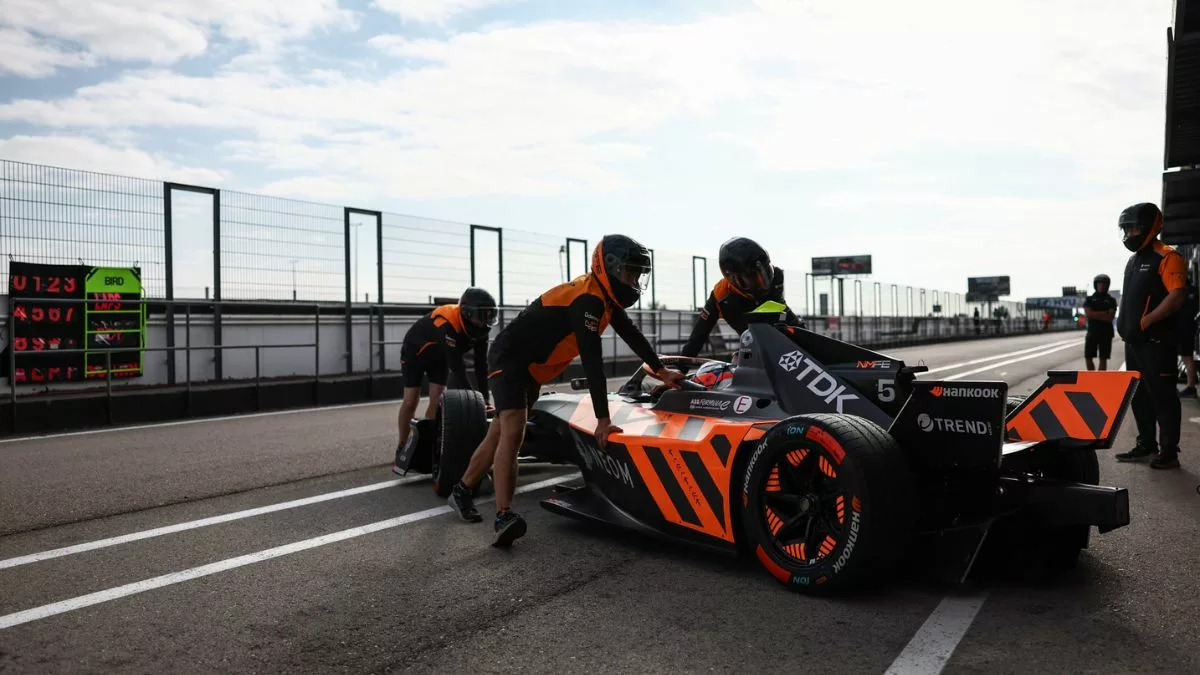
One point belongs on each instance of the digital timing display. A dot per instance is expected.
(49, 315)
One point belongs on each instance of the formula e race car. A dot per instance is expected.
(830, 463)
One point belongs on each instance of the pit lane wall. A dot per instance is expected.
(335, 357)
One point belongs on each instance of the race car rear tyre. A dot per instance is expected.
(828, 502)
(463, 423)
(1012, 404)
(1061, 546)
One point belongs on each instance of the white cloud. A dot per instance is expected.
(86, 154)
(25, 55)
(160, 32)
(435, 11)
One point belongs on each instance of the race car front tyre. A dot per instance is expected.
(828, 502)
(463, 423)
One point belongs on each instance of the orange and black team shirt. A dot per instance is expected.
(443, 329)
(564, 323)
(727, 302)
(1150, 275)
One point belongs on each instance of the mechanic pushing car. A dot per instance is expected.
(748, 279)
(1100, 309)
(565, 322)
(1154, 290)
(436, 344)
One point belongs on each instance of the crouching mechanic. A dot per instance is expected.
(436, 344)
(537, 346)
(748, 279)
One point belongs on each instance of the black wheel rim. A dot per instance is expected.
(804, 505)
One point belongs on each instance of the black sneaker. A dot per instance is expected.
(509, 527)
(1188, 392)
(1166, 460)
(1137, 454)
(463, 503)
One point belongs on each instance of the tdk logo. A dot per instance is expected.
(819, 382)
(965, 392)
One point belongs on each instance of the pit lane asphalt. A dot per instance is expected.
(432, 595)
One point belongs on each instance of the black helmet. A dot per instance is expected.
(1145, 220)
(1098, 278)
(747, 266)
(622, 266)
(478, 309)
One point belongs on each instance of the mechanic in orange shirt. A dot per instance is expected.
(1154, 290)
(435, 345)
(748, 280)
(537, 346)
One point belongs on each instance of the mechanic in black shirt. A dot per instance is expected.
(1189, 315)
(748, 279)
(565, 322)
(1153, 292)
(1100, 309)
(436, 344)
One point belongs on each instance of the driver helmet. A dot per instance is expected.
(714, 375)
(1139, 225)
(746, 266)
(478, 309)
(1101, 279)
(622, 266)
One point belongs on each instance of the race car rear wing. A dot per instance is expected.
(1080, 407)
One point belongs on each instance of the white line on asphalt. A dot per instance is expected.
(203, 522)
(1018, 359)
(45, 611)
(995, 357)
(198, 420)
(933, 645)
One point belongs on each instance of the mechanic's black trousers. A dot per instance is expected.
(1155, 399)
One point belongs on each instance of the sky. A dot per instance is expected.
(947, 139)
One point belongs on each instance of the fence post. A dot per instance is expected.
(349, 292)
(218, 332)
(169, 273)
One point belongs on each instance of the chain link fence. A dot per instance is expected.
(199, 242)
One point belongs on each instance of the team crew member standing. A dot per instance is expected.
(537, 346)
(748, 280)
(1153, 292)
(1100, 308)
(436, 344)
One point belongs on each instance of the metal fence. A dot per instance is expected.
(203, 243)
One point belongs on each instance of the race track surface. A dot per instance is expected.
(268, 585)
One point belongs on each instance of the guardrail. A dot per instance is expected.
(247, 326)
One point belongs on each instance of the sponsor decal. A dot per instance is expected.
(741, 405)
(709, 404)
(747, 339)
(855, 517)
(591, 322)
(796, 430)
(450, 341)
(816, 379)
(594, 459)
(762, 445)
(965, 392)
(875, 364)
(954, 426)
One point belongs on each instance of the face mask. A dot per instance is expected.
(1133, 242)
